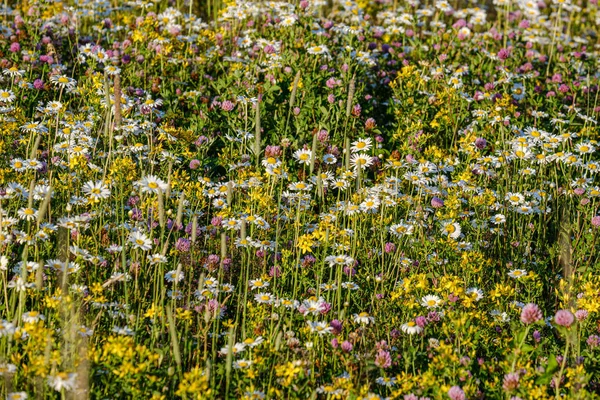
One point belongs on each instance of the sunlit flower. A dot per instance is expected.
(361, 145)
(321, 328)
(152, 184)
(7, 96)
(242, 364)
(498, 219)
(329, 159)
(411, 328)
(303, 156)
(258, 284)
(96, 190)
(253, 342)
(517, 273)
(17, 396)
(476, 292)
(264, 298)
(431, 301)
(140, 241)
(237, 348)
(27, 213)
(62, 381)
(401, 229)
(6, 328)
(174, 276)
(18, 165)
(63, 82)
(320, 49)
(360, 160)
(452, 230)
(7, 368)
(363, 318)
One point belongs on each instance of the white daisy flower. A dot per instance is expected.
(140, 241)
(152, 184)
(361, 145)
(431, 301)
(411, 328)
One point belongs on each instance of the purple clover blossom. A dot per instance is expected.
(337, 326)
(480, 143)
(456, 393)
(593, 341)
(183, 245)
(347, 346)
(530, 314)
(510, 382)
(227, 105)
(383, 359)
(390, 247)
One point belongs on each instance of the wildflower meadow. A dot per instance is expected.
(311, 199)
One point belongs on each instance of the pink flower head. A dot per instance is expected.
(323, 136)
(383, 359)
(456, 393)
(331, 83)
(510, 382)
(194, 164)
(480, 143)
(337, 326)
(593, 341)
(564, 318)
(273, 151)
(390, 247)
(581, 315)
(503, 54)
(227, 105)
(347, 346)
(530, 314)
(436, 202)
(370, 124)
(557, 78)
(38, 84)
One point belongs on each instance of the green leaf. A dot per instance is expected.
(551, 368)
(527, 348)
